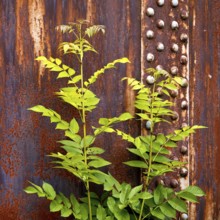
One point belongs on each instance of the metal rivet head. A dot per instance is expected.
(150, 80)
(184, 104)
(174, 93)
(184, 82)
(175, 116)
(174, 3)
(184, 149)
(150, 12)
(183, 172)
(174, 70)
(175, 48)
(174, 25)
(159, 67)
(174, 183)
(160, 46)
(183, 59)
(184, 14)
(184, 37)
(160, 2)
(184, 216)
(150, 57)
(150, 34)
(160, 23)
(148, 125)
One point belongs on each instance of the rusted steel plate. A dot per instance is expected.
(26, 31)
(204, 102)
(164, 23)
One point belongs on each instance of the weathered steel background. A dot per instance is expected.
(205, 104)
(27, 30)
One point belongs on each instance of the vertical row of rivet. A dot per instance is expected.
(165, 45)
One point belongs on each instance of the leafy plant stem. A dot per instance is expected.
(84, 122)
(150, 153)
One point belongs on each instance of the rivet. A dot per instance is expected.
(174, 3)
(184, 149)
(183, 172)
(174, 70)
(148, 125)
(184, 14)
(184, 125)
(159, 67)
(160, 46)
(184, 82)
(184, 104)
(150, 80)
(175, 116)
(174, 183)
(184, 216)
(150, 57)
(184, 37)
(174, 25)
(150, 12)
(174, 93)
(150, 34)
(159, 181)
(160, 2)
(175, 47)
(160, 23)
(183, 59)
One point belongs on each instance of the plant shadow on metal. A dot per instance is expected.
(82, 157)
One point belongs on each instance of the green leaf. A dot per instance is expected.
(100, 213)
(95, 150)
(158, 195)
(168, 210)
(98, 163)
(195, 190)
(134, 191)
(58, 61)
(30, 190)
(74, 126)
(49, 190)
(91, 31)
(125, 116)
(87, 141)
(187, 196)
(178, 204)
(71, 71)
(63, 74)
(41, 58)
(158, 214)
(62, 125)
(56, 69)
(75, 79)
(66, 212)
(136, 163)
(55, 206)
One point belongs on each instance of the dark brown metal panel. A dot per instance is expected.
(204, 102)
(26, 31)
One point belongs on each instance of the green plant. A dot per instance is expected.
(82, 158)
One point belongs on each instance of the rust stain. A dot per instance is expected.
(36, 12)
(19, 33)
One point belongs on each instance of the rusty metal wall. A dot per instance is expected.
(205, 104)
(26, 31)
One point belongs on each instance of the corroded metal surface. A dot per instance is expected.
(134, 29)
(26, 31)
(204, 102)
(165, 46)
